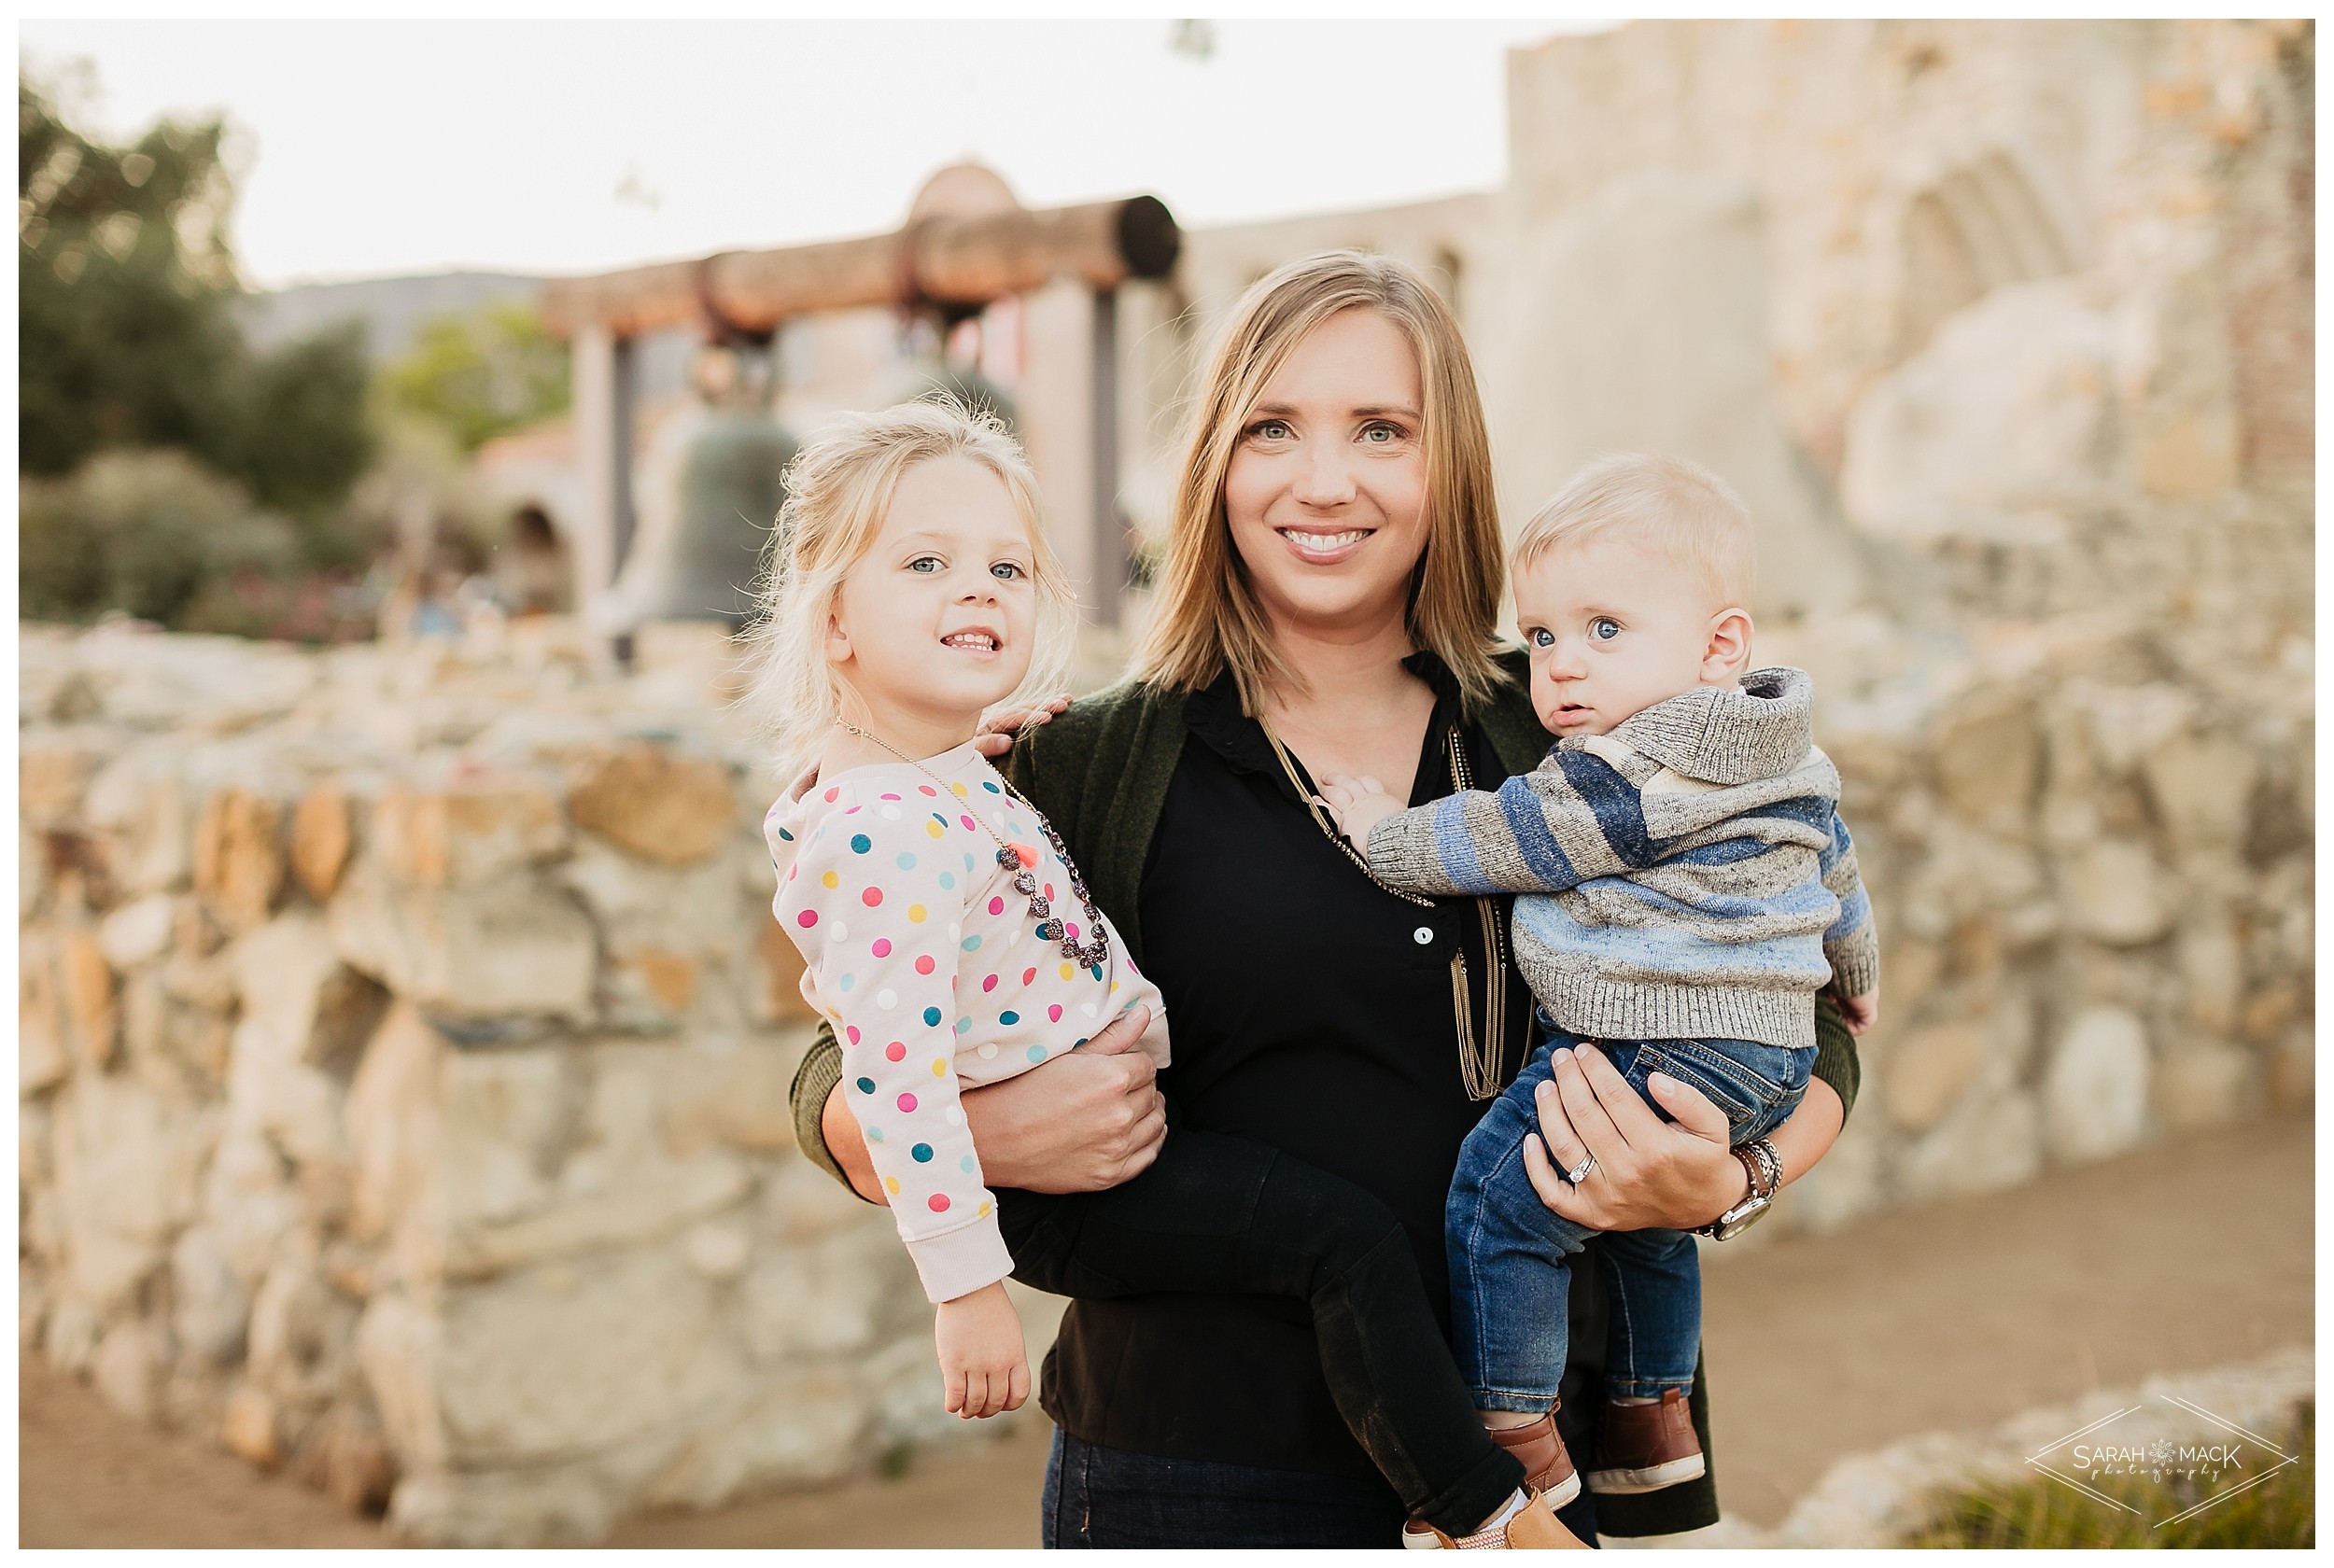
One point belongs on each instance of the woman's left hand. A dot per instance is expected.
(1649, 1173)
(999, 729)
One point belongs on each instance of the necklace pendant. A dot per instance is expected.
(1040, 905)
(1024, 883)
(1007, 859)
(1048, 931)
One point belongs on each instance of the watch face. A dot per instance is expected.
(1734, 1223)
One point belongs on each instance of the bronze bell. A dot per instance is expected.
(729, 493)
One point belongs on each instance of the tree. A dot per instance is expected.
(125, 335)
(482, 373)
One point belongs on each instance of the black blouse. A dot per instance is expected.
(1312, 1010)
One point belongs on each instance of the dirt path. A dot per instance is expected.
(1955, 1315)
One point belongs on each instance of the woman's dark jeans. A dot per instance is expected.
(1231, 1216)
(1102, 1497)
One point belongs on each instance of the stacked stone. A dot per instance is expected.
(404, 1043)
(2091, 869)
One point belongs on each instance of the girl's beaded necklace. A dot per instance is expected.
(1087, 955)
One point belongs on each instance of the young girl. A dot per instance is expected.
(950, 943)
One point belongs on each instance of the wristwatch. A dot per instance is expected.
(1765, 1168)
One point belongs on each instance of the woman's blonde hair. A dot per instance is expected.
(1207, 617)
(837, 489)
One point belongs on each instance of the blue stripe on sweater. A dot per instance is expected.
(1542, 855)
(1835, 851)
(1620, 812)
(1454, 847)
(1812, 811)
(1854, 911)
(1672, 953)
(1811, 898)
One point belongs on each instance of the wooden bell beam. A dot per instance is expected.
(942, 260)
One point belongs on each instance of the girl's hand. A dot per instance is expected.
(1859, 1012)
(1358, 805)
(984, 1370)
(998, 729)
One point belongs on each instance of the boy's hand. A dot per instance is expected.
(983, 1369)
(1358, 805)
(1861, 1013)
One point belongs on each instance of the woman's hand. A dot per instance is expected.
(999, 728)
(1651, 1173)
(1083, 1121)
(984, 1366)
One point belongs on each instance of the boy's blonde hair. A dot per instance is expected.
(1678, 508)
(837, 489)
(1207, 618)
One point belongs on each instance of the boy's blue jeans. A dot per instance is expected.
(1509, 1278)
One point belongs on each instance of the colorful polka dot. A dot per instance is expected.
(1069, 970)
(989, 984)
(830, 880)
(891, 1185)
(887, 999)
(972, 944)
(958, 789)
(926, 790)
(948, 878)
(991, 787)
(873, 897)
(1008, 1018)
(907, 1102)
(920, 1154)
(1037, 1052)
(897, 1051)
(933, 828)
(875, 1135)
(906, 861)
(937, 1203)
(966, 1165)
(861, 844)
(916, 912)
(882, 947)
(996, 906)
(1053, 1013)
(963, 1026)
(854, 1032)
(831, 795)
(932, 1016)
(970, 826)
(988, 1052)
(845, 983)
(982, 1211)
(923, 963)
(808, 919)
(785, 835)
(867, 1086)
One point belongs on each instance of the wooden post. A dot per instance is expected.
(1110, 531)
(594, 548)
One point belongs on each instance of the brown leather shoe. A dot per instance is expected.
(1645, 1447)
(1547, 1465)
(1535, 1528)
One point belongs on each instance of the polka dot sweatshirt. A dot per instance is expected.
(928, 963)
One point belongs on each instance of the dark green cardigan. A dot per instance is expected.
(1100, 773)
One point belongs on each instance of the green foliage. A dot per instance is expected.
(143, 532)
(2279, 1512)
(125, 335)
(482, 373)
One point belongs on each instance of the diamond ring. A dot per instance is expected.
(1579, 1173)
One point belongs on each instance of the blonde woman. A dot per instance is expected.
(1327, 606)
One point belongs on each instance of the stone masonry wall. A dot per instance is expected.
(404, 1042)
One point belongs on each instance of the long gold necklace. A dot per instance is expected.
(1050, 927)
(1479, 1054)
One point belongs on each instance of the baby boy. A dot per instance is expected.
(1686, 890)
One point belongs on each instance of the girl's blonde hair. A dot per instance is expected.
(837, 489)
(1207, 617)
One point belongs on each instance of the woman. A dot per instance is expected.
(1327, 604)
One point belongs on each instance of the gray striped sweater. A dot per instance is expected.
(1686, 875)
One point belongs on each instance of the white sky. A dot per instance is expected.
(385, 147)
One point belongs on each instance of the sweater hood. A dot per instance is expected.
(1721, 737)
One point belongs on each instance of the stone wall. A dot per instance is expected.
(403, 1047)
